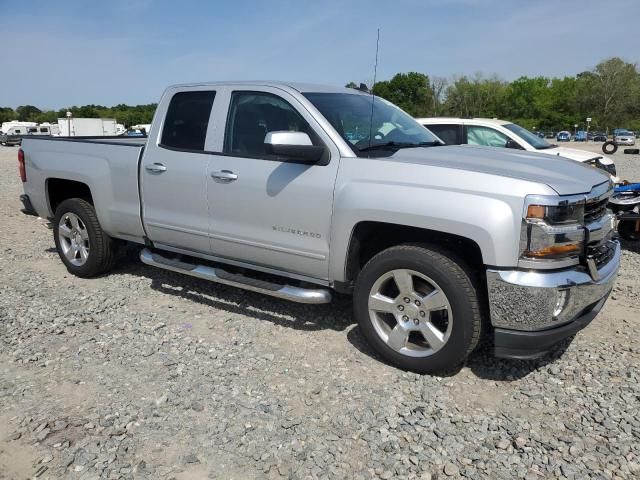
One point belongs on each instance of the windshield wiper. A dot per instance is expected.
(398, 145)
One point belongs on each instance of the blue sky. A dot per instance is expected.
(67, 52)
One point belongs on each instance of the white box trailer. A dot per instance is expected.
(87, 127)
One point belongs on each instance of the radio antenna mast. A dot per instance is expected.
(373, 98)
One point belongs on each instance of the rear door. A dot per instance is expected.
(174, 173)
(264, 210)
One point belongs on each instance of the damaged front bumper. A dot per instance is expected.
(531, 311)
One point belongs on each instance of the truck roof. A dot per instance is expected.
(300, 87)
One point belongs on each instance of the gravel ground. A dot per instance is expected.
(148, 374)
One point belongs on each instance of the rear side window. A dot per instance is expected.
(447, 133)
(187, 120)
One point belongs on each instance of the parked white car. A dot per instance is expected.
(500, 133)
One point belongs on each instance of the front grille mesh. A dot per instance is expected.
(602, 254)
(594, 211)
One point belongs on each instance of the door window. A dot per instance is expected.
(485, 136)
(254, 114)
(447, 133)
(187, 120)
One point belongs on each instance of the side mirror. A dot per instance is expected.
(513, 144)
(294, 146)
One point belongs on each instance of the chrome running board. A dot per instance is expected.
(218, 275)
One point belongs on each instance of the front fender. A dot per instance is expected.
(492, 223)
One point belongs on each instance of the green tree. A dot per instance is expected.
(410, 91)
(610, 92)
(27, 113)
(7, 114)
(475, 97)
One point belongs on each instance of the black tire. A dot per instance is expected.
(628, 229)
(609, 151)
(101, 249)
(455, 281)
(632, 151)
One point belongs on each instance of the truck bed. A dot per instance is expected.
(108, 165)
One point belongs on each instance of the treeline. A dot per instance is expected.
(609, 95)
(125, 114)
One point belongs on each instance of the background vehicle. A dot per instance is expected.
(563, 136)
(87, 127)
(15, 134)
(625, 203)
(599, 137)
(580, 136)
(500, 133)
(624, 137)
(257, 185)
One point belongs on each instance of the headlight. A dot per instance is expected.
(609, 168)
(552, 235)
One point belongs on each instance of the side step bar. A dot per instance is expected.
(287, 292)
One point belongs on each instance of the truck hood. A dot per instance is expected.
(566, 177)
(571, 153)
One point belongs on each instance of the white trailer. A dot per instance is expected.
(87, 127)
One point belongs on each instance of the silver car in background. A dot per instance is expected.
(624, 137)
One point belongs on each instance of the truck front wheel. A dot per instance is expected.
(84, 248)
(418, 308)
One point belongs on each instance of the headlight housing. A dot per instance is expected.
(597, 163)
(552, 233)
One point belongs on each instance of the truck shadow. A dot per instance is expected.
(482, 363)
(333, 316)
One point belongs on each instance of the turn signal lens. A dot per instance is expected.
(554, 251)
(536, 211)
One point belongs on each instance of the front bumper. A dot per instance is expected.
(533, 310)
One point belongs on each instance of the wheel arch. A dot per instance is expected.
(371, 237)
(60, 189)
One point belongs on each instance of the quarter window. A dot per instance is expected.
(187, 120)
(486, 136)
(254, 114)
(447, 133)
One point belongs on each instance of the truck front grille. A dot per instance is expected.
(595, 210)
(601, 254)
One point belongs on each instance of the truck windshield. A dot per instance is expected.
(531, 138)
(354, 116)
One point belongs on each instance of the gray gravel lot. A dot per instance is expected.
(148, 374)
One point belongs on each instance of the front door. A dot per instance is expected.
(174, 175)
(266, 211)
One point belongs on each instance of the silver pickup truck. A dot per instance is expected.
(297, 190)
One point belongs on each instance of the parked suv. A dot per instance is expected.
(503, 134)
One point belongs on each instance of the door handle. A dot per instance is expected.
(155, 168)
(224, 176)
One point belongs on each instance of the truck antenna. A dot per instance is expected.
(373, 98)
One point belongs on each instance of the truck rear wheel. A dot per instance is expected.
(83, 246)
(418, 307)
